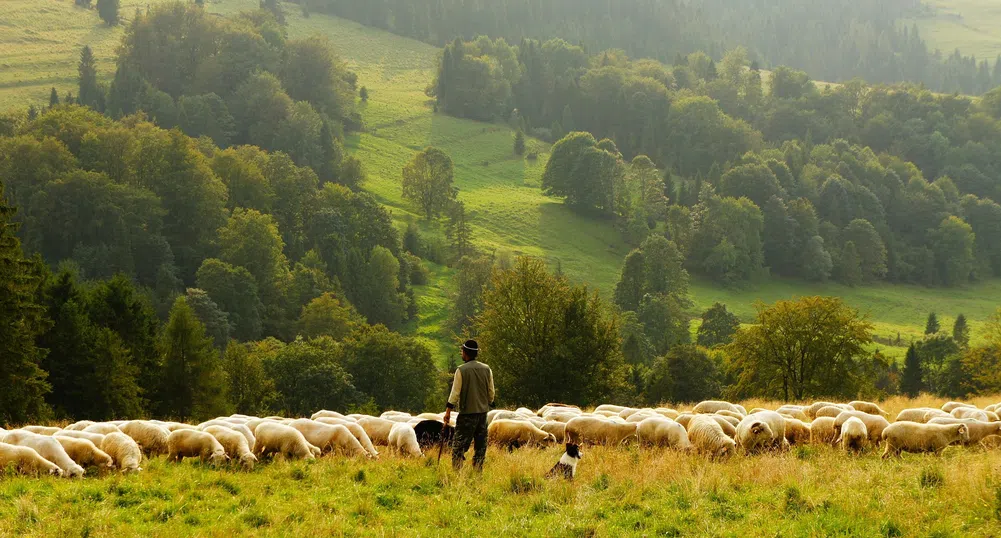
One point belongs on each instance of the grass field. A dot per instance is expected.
(968, 25)
(809, 491)
(501, 191)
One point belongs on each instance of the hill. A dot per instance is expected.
(501, 191)
(968, 25)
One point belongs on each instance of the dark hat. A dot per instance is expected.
(471, 345)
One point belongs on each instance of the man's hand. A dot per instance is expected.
(448, 416)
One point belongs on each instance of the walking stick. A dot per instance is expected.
(441, 442)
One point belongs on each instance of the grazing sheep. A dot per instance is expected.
(911, 437)
(235, 445)
(152, 438)
(95, 438)
(797, 414)
(707, 438)
(728, 418)
(949, 406)
(854, 435)
(174, 426)
(832, 411)
(663, 432)
(195, 444)
(709, 407)
(797, 431)
(594, 430)
(79, 425)
(874, 424)
(822, 431)
(605, 414)
(934, 413)
(684, 419)
(329, 437)
(811, 410)
(609, 407)
(969, 412)
(755, 434)
(403, 441)
(240, 428)
(728, 426)
(356, 430)
(641, 416)
(48, 448)
(668, 413)
(731, 414)
(377, 429)
(84, 452)
(557, 407)
(517, 433)
(917, 414)
(630, 411)
(992, 416)
(124, 450)
(559, 415)
(326, 414)
(103, 428)
(41, 430)
(277, 438)
(978, 429)
(558, 429)
(25, 460)
(868, 407)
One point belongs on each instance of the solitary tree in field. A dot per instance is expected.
(108, 11)
(910, 380)
(814, 346)
(961, 331)
(363, 94)
(718, 326)
(931, 326)
(457, 229)
(519, 143)
(427, 181)
(89, 93)
(53, 98)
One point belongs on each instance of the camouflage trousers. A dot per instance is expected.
(470, 429)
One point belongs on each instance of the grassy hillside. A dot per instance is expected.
(813, 490)
(969, 25)
(500, 190)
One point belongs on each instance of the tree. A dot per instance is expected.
(108, 11)
(629, 290)
(457, 229)
(194, 380)
(328, 315)
(235, 291)
(396, 372)
(664, 320)
(53, 98)
(216, 321)
(250, 390)
(380, 300)
(910, 380)
(961, 331)
(850, 264)
(22, 320)
(871, 250)
(810, 347)
(718, 326)
(567, 350)
(931, 326)
(472, 276)
(250, 239)
(688, 373)
(427, 181)
(363, 94)
(953, 243)
(307, 376)
(583, 173)
(519, 143)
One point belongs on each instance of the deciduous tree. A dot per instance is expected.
(427, 182)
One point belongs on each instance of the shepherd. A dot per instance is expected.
(473, 394)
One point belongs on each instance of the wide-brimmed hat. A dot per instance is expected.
(471, 345)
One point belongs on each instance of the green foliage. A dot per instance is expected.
(250, 389)
(911, 382)
(940, 368)
(471, 278)
(931, 326)
(89, 91)
(961, 331)
(953, 247)
(396, 372)
(585, 175)
(458, 230)
(519, 143)
(568, 351)
(251, 240)
(328, 315)
(108, 11)
(811, 347)
(850, 265)
(194, 382)
(718, 326)
(427, 182)
(726, 239)
(216, 322)
(688, 373)
(235, 291)
(307, 376)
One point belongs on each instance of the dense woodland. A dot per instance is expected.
(833, 40)
(191, 238)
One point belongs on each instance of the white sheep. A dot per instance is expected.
(707, 437)
(234, 443)
(663, 432)
(403, 440)
(85, 453)
(48, 448)
(195, 444)
(124, 450)
(330, 437)
(152, 438)
(912, 437)
(356, 430)
(598, 431)
(26, 460)
(854, 435)
(276, 438)
(517, 433)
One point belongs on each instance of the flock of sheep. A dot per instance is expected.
(712, 428)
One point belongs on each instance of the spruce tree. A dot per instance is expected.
(519, 143)
(53, 98)
(931, 327)
(194, 383)
(21, 322)
(108, 11)
(89, 92)
(961, 331)
(910, 381)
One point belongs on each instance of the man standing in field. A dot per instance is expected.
(473, 393)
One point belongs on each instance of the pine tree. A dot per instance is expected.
(910, 380)
(21, 322)
(108, 11)
(961, 331)
(519, 143)
(851, 265)
(457, 230)
(194, 381)
(931, 327)
(363, 93)
(32, 112)
(89, 92)
(53, 98)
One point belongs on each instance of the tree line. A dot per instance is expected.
(833, 40)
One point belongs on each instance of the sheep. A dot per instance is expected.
(193, 443)
(235, 445)
(26, 460)
(560, 416)
(832, 411)
(874, 424)
(733, 421)
(609, 407)
(403, 440)
(868, 407)
(949, 406)
(668, 413)
(242, 429)
(48, 448)
(503, 414)
(95, 438)
(517, 433)
(992, 416)
(377, 429)
(709, 407)
(356, 430)
(84, 452)
(524, 411)
(174, 426)
(916, 414)
(978, 429)
(684, 419)
(796, 414)
(630, 411)
(605, 414)
(664, 432)
(41, 430)
(822, 431)
(558, 429)
(396, 416)
(557, 407)
(910, 437)
(811, 410)
(102, 428)
(854, 435)
(124, 450)
(641, 416)
(764, 430)
(707, 438)
(732, 414)
(326, 414)
(594, 430)
(79, 425)
(729, 427)
(969, 412)
(276, 438)
(329, 437)
(152, 438)
(797, 431)
(934, 413)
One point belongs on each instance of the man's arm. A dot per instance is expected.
(491, 389)
(453, 397)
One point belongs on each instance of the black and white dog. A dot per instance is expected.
(567, 466)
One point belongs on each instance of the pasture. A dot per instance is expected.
(969, 25)
(811, 490)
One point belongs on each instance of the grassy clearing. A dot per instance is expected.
(809, 491)
(968, 25)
